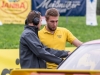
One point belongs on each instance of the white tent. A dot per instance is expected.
(91, 7)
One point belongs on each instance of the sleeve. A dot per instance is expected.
(38, 49)
(70, 37)
(58, 53)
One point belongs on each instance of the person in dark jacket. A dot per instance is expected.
(33, 54)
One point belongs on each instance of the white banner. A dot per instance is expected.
(91, 6)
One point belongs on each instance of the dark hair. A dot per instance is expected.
(51, 12)
(31, 16)
(26, 22)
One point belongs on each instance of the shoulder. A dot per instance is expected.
(42, 30)
(62, 29)
(27, 32)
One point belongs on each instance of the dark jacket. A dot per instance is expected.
(33, 54)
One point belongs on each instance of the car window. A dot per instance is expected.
(85, 57)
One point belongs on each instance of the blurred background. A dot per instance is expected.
(81, 17)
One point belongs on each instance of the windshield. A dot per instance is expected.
(86, 57)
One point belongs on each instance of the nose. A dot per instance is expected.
(55, 23)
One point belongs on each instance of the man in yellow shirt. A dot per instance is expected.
(56, 37)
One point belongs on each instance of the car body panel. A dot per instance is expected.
(85, 57)
(53, 72)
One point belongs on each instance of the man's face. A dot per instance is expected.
(52, 23)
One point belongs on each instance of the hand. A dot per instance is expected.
(69, 53)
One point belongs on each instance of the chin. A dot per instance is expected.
(54, 29)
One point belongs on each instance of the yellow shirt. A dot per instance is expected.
(57, 40)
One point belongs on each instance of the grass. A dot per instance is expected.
(9, 36)
(77, 25)
(10, 33)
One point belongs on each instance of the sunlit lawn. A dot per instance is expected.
(10, 33)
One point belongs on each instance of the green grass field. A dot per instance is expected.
(10, 33)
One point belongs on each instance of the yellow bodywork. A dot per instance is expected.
(53, 72)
